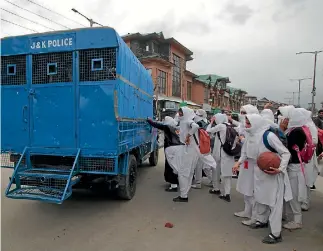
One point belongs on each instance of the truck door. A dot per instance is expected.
(52, 96)
(14, 103)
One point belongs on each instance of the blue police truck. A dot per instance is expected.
(74, 106)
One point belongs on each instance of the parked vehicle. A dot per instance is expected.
(73, 114)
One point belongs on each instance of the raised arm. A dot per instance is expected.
(157, 125)
(215, 129)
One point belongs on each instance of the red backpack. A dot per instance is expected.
(205, 142)
(306, 154)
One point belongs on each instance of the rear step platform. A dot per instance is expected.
(52, 185)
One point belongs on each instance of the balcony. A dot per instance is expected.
(142, 54)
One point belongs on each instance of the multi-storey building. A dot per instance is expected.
(166, 60)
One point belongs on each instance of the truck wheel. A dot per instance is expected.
(128, 190)
(153, 159)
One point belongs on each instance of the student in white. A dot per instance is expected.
(224, 162)
(311, 169)
(206, 162)
(270, 187)
(190, 152)
(246, 171)
(295, 136)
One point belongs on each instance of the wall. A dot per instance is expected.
(198, 92)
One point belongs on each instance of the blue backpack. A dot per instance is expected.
(279, 133)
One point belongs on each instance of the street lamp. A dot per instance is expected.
(89, 19)
(314, 87)
(299, 88)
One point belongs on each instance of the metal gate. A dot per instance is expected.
(52, 99)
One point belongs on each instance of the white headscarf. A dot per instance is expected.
(201, 115)
(220, 118)
(310, 124)
(255, 133)
(268, 115)
(296, 119)
(286, 111)
(249, 109)
(169, 121)
(188, 116)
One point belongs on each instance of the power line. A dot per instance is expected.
(17, 25)
(37, 14)
(55, 12)
(27, 19)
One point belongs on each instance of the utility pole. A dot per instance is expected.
(289, 100)
(314, 75)
(299, 89)
(88, 19)
(293, 96)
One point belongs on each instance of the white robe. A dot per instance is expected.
(223, 160)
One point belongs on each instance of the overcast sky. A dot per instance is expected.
(252, 42)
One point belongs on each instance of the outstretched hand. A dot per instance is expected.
(272, 171)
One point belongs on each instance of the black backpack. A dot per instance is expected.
(230, 140)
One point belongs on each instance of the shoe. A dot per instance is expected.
(242, 214)
(171, 189)
(180, 199)
(313, 187)
(305, 207)
(196, 186)
(258, 225)
(272, 239)
(212, 191)
(248, 222)
(227, 197)
(292, 225)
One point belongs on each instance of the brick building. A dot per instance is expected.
(166, 59)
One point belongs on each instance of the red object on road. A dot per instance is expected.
(169, 225)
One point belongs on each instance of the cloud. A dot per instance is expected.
(239, 14)
(171, 26)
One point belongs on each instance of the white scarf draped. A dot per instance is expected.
(254, 134)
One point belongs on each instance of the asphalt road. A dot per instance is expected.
(92, 222)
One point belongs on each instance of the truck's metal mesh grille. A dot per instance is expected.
(97, 164)
(64, 62)
(109, 64)
(19, 78)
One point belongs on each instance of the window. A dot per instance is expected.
(11, 69)
(206, 95)
(176, 85)
(51, 68)
(97, 64)
(189, 90)
(147, 47)
(162, 82)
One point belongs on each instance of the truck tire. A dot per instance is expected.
(128, 190)
(153, 159)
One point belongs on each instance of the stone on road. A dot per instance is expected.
(94, 222)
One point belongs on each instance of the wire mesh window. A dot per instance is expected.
(161, 81)
(108, 59)
(64, 68)
(13, 70)
(176, 87)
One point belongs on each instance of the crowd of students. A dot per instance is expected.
(271, 196)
